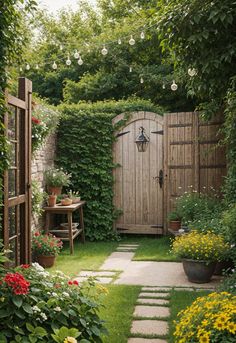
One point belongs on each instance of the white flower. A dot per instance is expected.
(58, 309)
(43, 315)
(37, 267)
(36, 309)
(65, 294)
(54, 294)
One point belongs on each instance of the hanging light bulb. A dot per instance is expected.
(76, 54)
(192, 72)
(142, 35)
(27, 66)
(80, 61)
(37, 67)
(104, 50)
(54, 66)
(131, 41)
(130, 69)
(141, 80)
(68, 61)
(119, 41)
(174, 86)
(163, 86)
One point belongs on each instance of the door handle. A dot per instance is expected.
(160, 178)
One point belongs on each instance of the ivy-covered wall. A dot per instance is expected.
(85, 138)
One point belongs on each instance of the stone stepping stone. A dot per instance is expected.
(153, 301)
(205, 289)
(149, 327)
(151, 311)
(126, 248)
(183, 289)
(156, 289)
(117, 261)
(129, 245)
(81, 278)
(153, 295)
(146, 340)
(104, 279)
(99, 273)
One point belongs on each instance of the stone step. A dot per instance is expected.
(156, 289)
(153, 301)
(149, 327)
(98, 273)
(105, 280)
(154, 295)
(151, 311)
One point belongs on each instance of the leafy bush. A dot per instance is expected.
(56, 178)
(174, 216)
(85, 140)
(229, 283)
(38, 197)
(199, 246)
(208, 319)
(229, 223)
(194, 206)
(35, 304)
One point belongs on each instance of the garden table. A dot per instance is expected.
(67, 210)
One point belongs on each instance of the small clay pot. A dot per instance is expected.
(46, 261)
(52, 199)
(175, 225)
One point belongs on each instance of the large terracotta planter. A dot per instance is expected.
(175, 225)
(198, 271)
(54, 190)
(46, 261)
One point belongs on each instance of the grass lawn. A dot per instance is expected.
(151, 248)
(179, 301)
(118, 312)
(88, 256)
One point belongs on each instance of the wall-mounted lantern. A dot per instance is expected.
(142, 140)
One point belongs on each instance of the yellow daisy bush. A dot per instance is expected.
(209, 319)
(200, 246)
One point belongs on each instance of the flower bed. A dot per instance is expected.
(209, 319)
(35, 304)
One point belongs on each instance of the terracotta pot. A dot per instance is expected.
(66, 202)
(46, 261)
(54, 190)
(175, 225)
(198, 271)
(76, 200)
(52, 200)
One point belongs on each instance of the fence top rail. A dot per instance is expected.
(13, 101)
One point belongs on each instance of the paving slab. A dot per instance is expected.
(105, 280)
(149, 327)
(146, 340)
(184, 289)
(151, 311)
(151, 273)
(118, 261)
(157, 289)
(128, 245)
(153, 301)
(154, 295)
(125, 249)
(81, 278)
(101, 273)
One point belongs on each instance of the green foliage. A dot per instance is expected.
(174, 216)
(229, 223)
(48, 303)
(229, 284)
(38, 197)
(57, 177)
(65, 335)
(45, 244)
(85, 139)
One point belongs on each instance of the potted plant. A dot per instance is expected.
(174, 220)
(75, 196)
(52, 200)
(45, 248)
(199, 252)
(55, 179)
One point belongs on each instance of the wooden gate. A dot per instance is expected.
(181, 145)
(17, 179)
(137, 190)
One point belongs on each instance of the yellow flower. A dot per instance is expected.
(205, 338)
(231, 327)
(70, 340)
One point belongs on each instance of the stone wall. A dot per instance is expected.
(43, 159)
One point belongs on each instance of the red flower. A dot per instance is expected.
(75, 282)
(37, 234)
(25, 266)
(70, 283)
(17, 282)
(35, 120)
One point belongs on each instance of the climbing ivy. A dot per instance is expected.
(85, 139)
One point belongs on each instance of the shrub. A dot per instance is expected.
(38, 197)
(229, 223)
(199, 246)
(35, 304)
(194, 206)
(56, 178)
(229, 283)
(174, 215)
(208, 319)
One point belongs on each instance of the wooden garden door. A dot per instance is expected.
(138, 188)
(17, 179)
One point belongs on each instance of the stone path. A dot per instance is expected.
(151, 313)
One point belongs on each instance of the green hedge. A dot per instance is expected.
(85, 138)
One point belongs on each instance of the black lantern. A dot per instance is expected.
(142, 140)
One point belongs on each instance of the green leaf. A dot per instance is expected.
(17, 300)
(27, 308)
(40, 331)
(30, 327)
